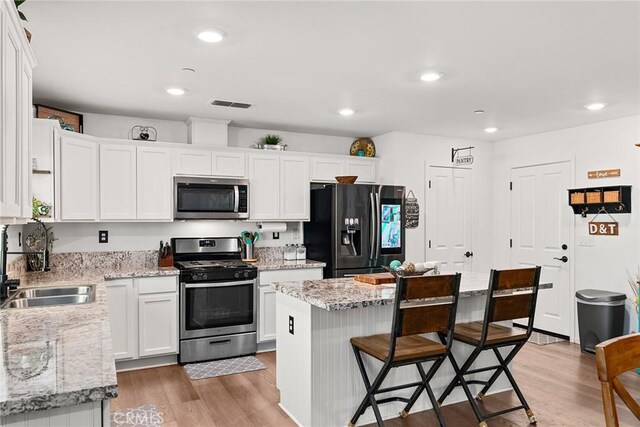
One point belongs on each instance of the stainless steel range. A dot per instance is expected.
(218, 292)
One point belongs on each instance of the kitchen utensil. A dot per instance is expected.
(346, 179)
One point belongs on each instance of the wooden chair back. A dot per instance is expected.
(513, 295)
(425, 304)
(613, 357)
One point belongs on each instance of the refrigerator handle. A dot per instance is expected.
(378, 225)
(372, 235)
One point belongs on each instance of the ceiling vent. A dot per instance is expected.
(219, 103)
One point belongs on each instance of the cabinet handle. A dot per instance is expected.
(219, 342)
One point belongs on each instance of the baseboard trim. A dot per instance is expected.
(147, 362)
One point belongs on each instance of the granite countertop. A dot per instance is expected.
(281, 264)
(346, 293)
(62, 355)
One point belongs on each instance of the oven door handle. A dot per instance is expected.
(217, 284)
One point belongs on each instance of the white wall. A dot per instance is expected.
(604, 145)
(83, 237)
(245, 137)
(111, 126)
(404, 157)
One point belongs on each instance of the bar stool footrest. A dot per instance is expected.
(392, 399)
(398, 387)
(488, 368)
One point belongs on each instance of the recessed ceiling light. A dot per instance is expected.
(595, 106)
(177, 91)
(346, 112)
(431, 76)
(210, 35)
(491, 130)
(478, 112)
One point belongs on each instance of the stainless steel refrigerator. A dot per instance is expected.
(355, 228)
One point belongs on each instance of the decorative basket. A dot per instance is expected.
(411, 211)
(594, 196)
(577, 198)
(612, 196)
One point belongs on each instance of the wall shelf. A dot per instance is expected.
(616, 199)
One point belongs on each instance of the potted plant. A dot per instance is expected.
(272, 142)
(24, 18)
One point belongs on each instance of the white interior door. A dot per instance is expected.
(449, 217)
(540, 234)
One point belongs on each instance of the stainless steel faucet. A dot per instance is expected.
(4, 250)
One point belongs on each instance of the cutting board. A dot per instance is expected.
(375, 278)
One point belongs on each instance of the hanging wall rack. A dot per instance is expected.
(614, 199)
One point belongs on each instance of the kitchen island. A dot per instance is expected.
(316, 373)
(57, 364)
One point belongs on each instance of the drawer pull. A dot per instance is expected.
(219, 342)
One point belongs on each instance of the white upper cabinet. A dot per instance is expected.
(117, 181)
(327, 168)
(77, 169)
(279, 187)
(364, 169)
(294, 188)
(154, 183)
(228, 164)
(16, 63)
(192, 162)
(264, 187)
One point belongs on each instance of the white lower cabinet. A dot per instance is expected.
(267, 321)
(157, 324)
(267, 296)
(143, 313)
(122, 310)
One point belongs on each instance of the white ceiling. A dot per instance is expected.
(531, 65)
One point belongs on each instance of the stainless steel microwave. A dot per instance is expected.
(210, 198)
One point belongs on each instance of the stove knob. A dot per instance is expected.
(194, 277)
(236, 275)
(246, 274)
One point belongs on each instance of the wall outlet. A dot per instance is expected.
(103, 236)
(291, 325)
(276, 235)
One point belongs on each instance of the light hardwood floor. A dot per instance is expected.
(559, 382)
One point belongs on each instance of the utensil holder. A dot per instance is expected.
(249, 251)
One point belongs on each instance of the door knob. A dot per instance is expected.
(563, 258)
(468, 254)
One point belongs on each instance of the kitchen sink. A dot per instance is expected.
(43, 297)
(54, 292)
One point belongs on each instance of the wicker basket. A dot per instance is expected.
(594, 197)
(577, 198)
(612, 196)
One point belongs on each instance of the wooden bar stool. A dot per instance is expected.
(423, 304)
(512, 295)
(613, 357)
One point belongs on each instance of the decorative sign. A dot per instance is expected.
(464, 160)
(456, 158)
(603, 228)
(604, 173)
